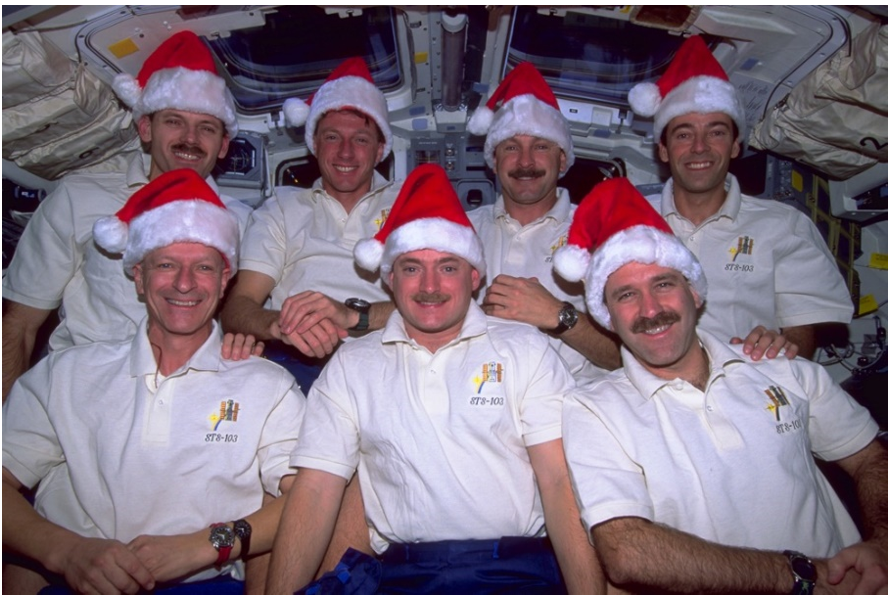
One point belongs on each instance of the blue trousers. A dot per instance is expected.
(305, 369)
(509, 565)
(221, 585)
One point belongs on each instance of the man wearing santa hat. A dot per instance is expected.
(451, 420)
(694, 465)
(528, 144)
(297, 282)
(186, 116)
(767, 263)
(152, 454)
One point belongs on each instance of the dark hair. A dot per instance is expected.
(356, 112)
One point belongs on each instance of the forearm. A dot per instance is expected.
(20, 326)
(379, 314)
(596, 344)
(803, 336)
(27, 533)
(871, 481)
(243, 314)
(643, 556)
(305, 530)
(577, 558)
(351, 529)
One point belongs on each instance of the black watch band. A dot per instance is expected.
(363, 309)
(804, 573)
(243, 531)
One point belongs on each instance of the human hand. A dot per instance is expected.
(523, 300)
(237, 347)
(173, 557)
(303, 311)
(99, 566)
(764, 342)
(868, 560)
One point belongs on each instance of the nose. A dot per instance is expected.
(526, 156)
(699, 145)
(190, 134)
(185, 281)
(649, 305)
(428, 280)
(346, 150)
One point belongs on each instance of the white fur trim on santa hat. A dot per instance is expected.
(190, 90)
(110, 233)
(571, 262)
(296, 112)
(701, 94)
(481, 120)
(184, 221)
(644, 99)
(349, 92)
(645, 245)
(127, 89)
(434, 233)
(527, 115)
(368, 254)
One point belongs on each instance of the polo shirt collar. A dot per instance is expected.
(559, 213)
(142, 360)
(475, 324)
(379, 183)
(721, 357)
(729, 209)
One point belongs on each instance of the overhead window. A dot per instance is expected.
(588, 57)
(298, 47)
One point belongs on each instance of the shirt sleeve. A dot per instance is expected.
(329, 440)
(31, 447)
(549, 382)
(280, 433)
(607, 483)
(837, 425)
(809, 287)
(47, 256)
(264, 246)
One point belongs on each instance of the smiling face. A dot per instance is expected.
(348, 146)
(654, 311)
(180, 139)
(182, 284)
(432, 291)
(698, 149)
(529, 168)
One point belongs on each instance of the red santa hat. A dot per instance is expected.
(179, 75)
(694, 82)
(175, 207)
(426, 215)
(619, 226)
(350, 86)
(527, 107)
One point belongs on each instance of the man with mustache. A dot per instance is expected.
(528, 144)
(767, 263)
(186, 117)
(694, 467)
(451, 420)
(138, 447)
(297, 283)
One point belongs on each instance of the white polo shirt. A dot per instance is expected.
(304, 240)
(57, 263)
(527, 251)
(732, 465)
(439, 440)
(121, 451)
(765, 262)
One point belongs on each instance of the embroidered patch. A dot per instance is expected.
(778, 400)
(229, 412)
(383, 216)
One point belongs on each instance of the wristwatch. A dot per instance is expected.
(804, 572)
(568, 317)
(221, 537)
(363, 308)
(243, 531)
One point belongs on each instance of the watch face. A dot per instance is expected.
(358, 304)
(568, 316)
(221, 536)
(804, 568)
